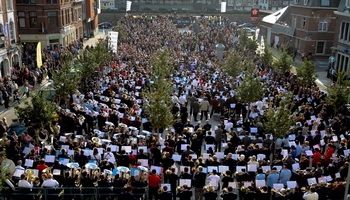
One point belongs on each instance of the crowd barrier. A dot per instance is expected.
(70, 193)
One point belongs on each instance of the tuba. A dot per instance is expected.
(30, 177)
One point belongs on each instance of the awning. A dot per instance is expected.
(11, 50)
(274, 17)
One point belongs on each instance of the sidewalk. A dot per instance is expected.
(321, 70)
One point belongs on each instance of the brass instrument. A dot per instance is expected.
(160, 190)
(30, 175)
(76, 172)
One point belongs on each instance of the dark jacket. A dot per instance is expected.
(199, 180)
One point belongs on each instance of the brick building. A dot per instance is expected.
(307, 26)
(9, 48)
(51, 22)
(341, 44)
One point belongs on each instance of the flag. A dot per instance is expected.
(39, 60)
(223, 7)
(128, 6)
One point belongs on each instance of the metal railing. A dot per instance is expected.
(70, 192)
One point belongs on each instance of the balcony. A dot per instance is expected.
(283, 29)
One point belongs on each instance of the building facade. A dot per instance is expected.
(10, 54)
(306, 27)
(341, 45)
(91, 9)
(54, 23)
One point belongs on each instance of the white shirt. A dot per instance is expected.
(310, 196)
(214, 180)
(182, 99)
(109, 157)
(50, 183)
(25, 184)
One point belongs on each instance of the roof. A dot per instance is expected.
(274, 17)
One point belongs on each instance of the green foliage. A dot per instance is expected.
(252, 45)
(233, 64)
(243, 38)
(339, 93)
(159, 95)
(284, 62)
(4, 170)
(37, 113)
(306, 73)
(65, 80)
(90, 59)
(251, 88)
(120, 28)
(279, 120)
(266, 57)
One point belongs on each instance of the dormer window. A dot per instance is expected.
(306, 2)
(296, 1)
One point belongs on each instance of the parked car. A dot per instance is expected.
(250, 25)
(248, 30)
(163, 9)
(147, 9)
(113, 9)
(105, 25)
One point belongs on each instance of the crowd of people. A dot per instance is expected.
(105, 140)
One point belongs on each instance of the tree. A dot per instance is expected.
(252, 45)
(65, 80)
(306, 73)
(90, 59)
(243, 38)
(283, 63)
(266, 57)
(37, 112)
(4, 170)
(338, 93)
(232, 65)
(279, 119)
(251, 88)
(159, 95)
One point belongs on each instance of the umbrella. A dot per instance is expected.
(91, 166)
(106, 171)
(146, 132)
(79, 136)
(72, 165)
(123, 169)
(106, 141)
(122, 125)
(141, 136)
(142, 168)
(109, 123)
(68, 134)
(132, 128)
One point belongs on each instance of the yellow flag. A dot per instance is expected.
(39, 61)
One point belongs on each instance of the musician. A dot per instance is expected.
(226, 179)
(123, 159)
(153, 182)
(213, 177)
(50, 182)
(210, 193)
(63, 154)
(139, 184)
(24, 183)
(103, 185)
(199, 183)
(311, 194)
(186, 174)
(173, 178)
(228, 195)
(41, 166)
(231, 163)
(69, 182)
(165, 194)
(196, 144)
(167, 162)
(118, 183)
(184, 193)
(127, 194)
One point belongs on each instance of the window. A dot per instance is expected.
(9, 4)
(303, 23)
(347, 3)
(33, 20)
(12, 32)
(323, 25)
(26, 1)
(52, 1)
(21, 19)
(343, 62)
(2, 43)
(296, 1)
(325, 3)
(294, 21)
(306, 2)
(52, 19)
(320, 47)
(345, 31)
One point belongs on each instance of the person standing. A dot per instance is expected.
(311, 194)
(199, 183)
(204, 107)
(218, 138)
(153, 182)
(195, 109)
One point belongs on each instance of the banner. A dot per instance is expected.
(39, 60)
(113, 41)
(223, 7)
(128, 6)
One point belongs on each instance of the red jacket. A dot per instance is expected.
(154, 180)
(316, 158)
(328, 155)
